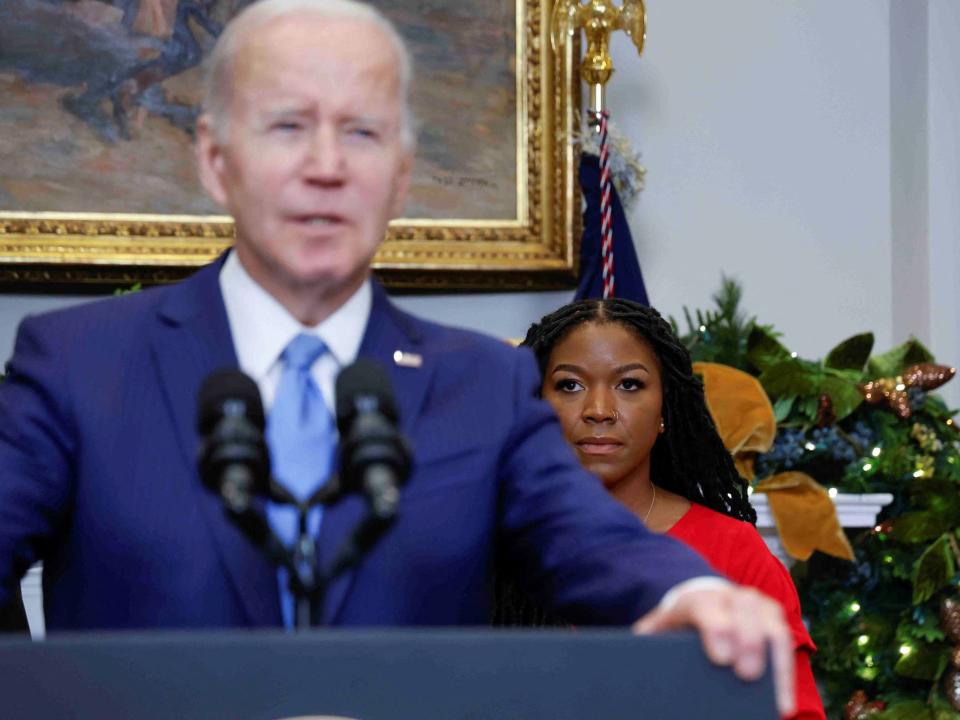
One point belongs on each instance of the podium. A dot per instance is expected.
(375, 675)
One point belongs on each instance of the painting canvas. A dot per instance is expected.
(99, 100)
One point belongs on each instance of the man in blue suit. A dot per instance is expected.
(307, 142)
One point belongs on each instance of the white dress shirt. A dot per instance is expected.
(261, 328)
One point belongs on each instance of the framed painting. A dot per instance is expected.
(98, 100)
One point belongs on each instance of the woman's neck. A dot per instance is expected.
(657, 508)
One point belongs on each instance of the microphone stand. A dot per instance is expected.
(308, 582)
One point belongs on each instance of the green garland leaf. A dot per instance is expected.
(925, 662)
(933, 570)
(911, 710)
(921, 526)
(845, 395)
(895, 361)
(782, 408)
(851, 354)
(789, 377)
(763, 348)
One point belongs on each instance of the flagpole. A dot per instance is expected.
(598, 19)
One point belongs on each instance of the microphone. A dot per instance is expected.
(374, 457)
(233, 458)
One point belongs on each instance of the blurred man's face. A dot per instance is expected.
(311, 163)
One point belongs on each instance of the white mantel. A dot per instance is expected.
(854, 511)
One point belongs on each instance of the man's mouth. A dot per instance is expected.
(319, 220)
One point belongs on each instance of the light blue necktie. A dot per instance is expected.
(302, 439)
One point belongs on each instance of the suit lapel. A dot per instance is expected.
(388, 330)
(190, 339)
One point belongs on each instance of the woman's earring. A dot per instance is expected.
(663, 428)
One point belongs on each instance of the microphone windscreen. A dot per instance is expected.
(228, 392)
(363, 386)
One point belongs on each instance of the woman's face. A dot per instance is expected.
(604, 383)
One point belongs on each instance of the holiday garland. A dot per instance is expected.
(887, 625)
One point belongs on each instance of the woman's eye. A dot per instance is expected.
(567, 385)
(287, 126)
(631, 384)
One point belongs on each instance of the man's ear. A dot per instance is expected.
(210, 160)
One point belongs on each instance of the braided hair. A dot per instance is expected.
(689, 458)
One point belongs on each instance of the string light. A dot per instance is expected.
(875, 452)
(832, 492)
(703, 328)
(750, 490)
(905, 650)
(810, 446)
(793, 354)
(918, 473)
(867, 467)
(863, 640)
(854, 607)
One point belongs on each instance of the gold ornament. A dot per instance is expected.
(928, 376)
(950, 621)
(951, 686)
(893, 390)
(950, 618)
(926, 438)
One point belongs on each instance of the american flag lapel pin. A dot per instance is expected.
(407, 359)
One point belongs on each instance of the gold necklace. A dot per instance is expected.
(650, 509)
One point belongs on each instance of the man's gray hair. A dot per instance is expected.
(218, 80)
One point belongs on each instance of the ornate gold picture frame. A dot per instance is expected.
(495, 204)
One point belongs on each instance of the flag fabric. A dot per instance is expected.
(629, 280)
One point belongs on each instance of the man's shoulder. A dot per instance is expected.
(436, 337)
(130, 313)
(111, 314)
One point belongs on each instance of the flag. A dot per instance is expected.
(629, 279)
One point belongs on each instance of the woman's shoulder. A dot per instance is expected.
(733, 547)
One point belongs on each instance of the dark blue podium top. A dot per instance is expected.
(375, 675)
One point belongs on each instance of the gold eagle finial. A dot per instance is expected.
(598, 19)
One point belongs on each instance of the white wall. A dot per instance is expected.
(765, 127)
(944, 185)
(787, 145)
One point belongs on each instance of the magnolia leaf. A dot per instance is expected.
(782, 408)
(763, 348)
(920, 526)
(851, 354)
(895, 361)
(845, 396)
(789, 377)
(923, 662)
(910, 710)
(933, 570)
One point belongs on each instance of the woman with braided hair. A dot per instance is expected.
(623, 387)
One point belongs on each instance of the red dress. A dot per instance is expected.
(735, 549)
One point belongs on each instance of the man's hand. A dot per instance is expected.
(736, 625)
